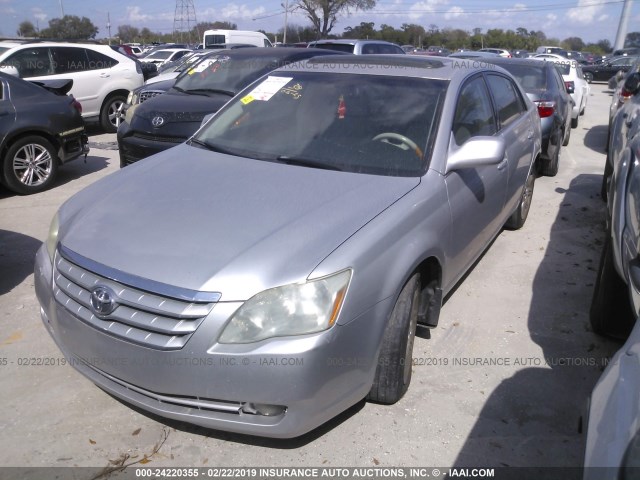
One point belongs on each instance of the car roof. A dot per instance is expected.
(437, 68)
(351, 41)
(276, 53)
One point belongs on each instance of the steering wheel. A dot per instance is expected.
(400, 142)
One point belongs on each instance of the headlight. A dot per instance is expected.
(128, 114)
(130, 97)
(52, 238)
(294, 309)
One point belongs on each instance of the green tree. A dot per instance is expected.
(573, 43)
(363, 31)
(128, 34)
(323, 14)
(632, 40)
(413, 34)
(70, 27)
(27, 29)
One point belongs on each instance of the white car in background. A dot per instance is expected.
(573, 77)
(102, 77)
(165, 55)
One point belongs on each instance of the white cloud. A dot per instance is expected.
(424, 7)
(241, 12)
(39, 14)
(454, 12)
(585, 13)
(519, 6)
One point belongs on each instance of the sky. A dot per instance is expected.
(591, 20)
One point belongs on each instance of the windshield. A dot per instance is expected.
(373, 124)
(160, 55)
(222, 72)
(338, 47)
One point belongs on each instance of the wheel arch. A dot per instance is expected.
(110, 95)
(19, 134)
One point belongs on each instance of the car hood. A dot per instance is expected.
(181, 113)
(211, 222)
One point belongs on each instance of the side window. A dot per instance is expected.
(31, 62)
(69, 59)
(98, 61)
(474, 113)
(369, 48)
(508, 101)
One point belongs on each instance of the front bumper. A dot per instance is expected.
(314, 377)
(134, 146)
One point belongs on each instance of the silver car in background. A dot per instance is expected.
(275, 267)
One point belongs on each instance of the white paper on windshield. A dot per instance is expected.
(202, 66)
(268, 88)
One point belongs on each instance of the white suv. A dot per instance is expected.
(102, 77)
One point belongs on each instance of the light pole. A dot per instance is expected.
(61, 9)
(286, 13)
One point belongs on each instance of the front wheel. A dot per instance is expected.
(30, 165)
(393, 373)
(588, 76)
(111, 115)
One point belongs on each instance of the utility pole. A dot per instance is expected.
(622, 26)
(61, 9)
(286, 12)
(109, 26)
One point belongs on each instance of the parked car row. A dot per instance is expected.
(613, 433)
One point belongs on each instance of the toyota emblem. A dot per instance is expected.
(103, 300)
(157, 121)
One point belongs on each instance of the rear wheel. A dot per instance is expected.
(111, 114)
(608, 171)
(574, 121)
(588, 76)
(393, 373)
(610, 314)
(517, 218)
(30, 165)
(549, 168)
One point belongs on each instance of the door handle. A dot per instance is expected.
(530, 135)
(104, 75)
(503, 164)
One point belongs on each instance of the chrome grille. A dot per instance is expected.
(143, 317)
(147, 94)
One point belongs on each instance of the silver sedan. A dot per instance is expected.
(271, 272)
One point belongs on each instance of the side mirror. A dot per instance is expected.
(632, 83)
(477, 152)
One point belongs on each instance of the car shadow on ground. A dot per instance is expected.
(532, 419)
(17, 257)
(275, 443)
(596, 138)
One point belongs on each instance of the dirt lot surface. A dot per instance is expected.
(502, 381)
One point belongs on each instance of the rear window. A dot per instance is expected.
(530, 77)
(338, 47)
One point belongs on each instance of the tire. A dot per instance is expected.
(588, 76)
(567, 137)
(549, 168)
(610, 314)
(30, 165)
(111, 113)
(574, 121)
(393, 373)
(608, 171)
(519, 217)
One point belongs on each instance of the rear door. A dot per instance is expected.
(515, 126)
(7, 111)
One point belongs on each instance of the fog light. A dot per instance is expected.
(263, 409)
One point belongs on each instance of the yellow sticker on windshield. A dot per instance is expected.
(248, 99)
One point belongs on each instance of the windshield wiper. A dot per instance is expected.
(182, 90)
(212, 147)
(307, 162)
(205, 91)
